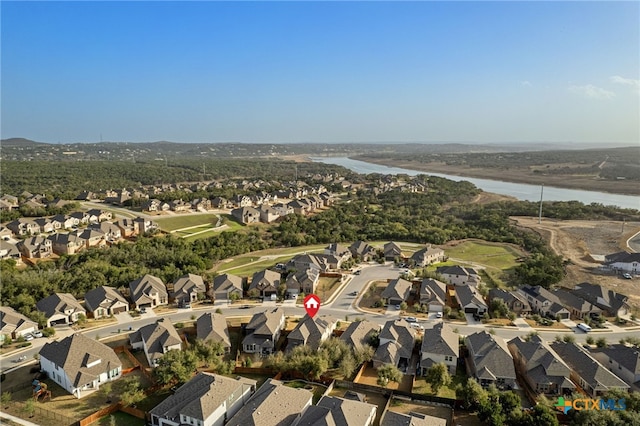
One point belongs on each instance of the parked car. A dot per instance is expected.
(439, 315)
(627, 276)
(28, 337)
(411, 319)
(37, 333)
(143, 310)
(354, 293)
(357, 272)
(397, 307)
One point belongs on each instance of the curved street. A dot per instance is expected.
(342, 306)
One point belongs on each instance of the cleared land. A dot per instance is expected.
(578, 240)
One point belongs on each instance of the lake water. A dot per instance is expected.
(520, 191)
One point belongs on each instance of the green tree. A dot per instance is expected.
(388, 373)
(106, 389)
(438, 377)
(601, 342)
(471, 393)
(29, 407)
(404, 306)
(131, 393)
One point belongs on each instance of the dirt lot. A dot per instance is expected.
(579, 240)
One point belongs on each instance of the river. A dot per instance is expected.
(520, 191)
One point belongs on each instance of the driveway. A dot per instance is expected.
(471, 321)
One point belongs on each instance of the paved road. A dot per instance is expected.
(341, 306)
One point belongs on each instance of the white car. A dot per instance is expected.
(37, 333)
(411, 319)
(28, 337)
(439, 315)
(627, 276)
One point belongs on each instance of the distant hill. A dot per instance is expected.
(20, 142)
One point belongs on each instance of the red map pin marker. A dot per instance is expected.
(312, 304)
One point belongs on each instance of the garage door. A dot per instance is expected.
(435, 308)
(119, 310)
(470, 310)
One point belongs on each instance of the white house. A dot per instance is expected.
(80, 364)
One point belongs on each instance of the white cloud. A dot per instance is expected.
(526, 83)
(592, 92)
(626, 81)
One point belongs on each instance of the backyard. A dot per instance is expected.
(371, 298)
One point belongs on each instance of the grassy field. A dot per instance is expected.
(184, 221)
(247, 264)
(493, 255)
(421, 386)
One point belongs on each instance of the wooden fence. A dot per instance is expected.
(99, 414)
(52, 416)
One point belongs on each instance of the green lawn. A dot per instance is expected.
(494, 255)
(121, 419)
(186, 220)
(421, 386)
(239, 264)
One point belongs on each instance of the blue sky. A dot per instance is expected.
(281, 72)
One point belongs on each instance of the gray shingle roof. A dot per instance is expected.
(468, 295)
(397, 341)
(274, 404)
(201, 396)
(12, 321)
(74, 352)
(433, 291)
(440, 340)
(359, 333)
(157, 336)
(590, 370)
(391, 418)
(187, 284)
(490, 356)
(104, 297)
(227, 283)
(309, 331)
(58, 303)
(397, 289)
(627, 356)
(210, 326)
(141, 289)
(337, 411)
(541, 362)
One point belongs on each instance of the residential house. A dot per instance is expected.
(86, 196)
(360, 334)
(225, 285)
(397, 340)
(155, 205)
(304, 281)
(621, 360)
(273, 404)
(35, 247)
(397, 291)
(5, 233)
(612, 303)
(311, 331)
(148, 292)
(459, 275)
(105, 301)
(99, 215)
(210, 326)
(592, 377)
(265, 283)
(515, 301)
(207, 399)
(332, 410)
(93, 238)
(427, 256)
(624, 261)
(577, 306)
(268, 214)
(156, 340)
(24, 226)
(363, 251)
(300, 207)
(539, 365)
(433, 293)
(242, 201)
(221, 203)
(14, 324)
(392, 251)
(440, 344)
(45, 224)
(179, 206)
(79, 364)
(201, 204)
(338, 250)
(118, 197)
(60, 308)
(67, 243)
(81, 218)
(391, 418)
(188, 288)
(66, 222)
(246, 215)
(111, 231)
(543, 302)
(127, 227)
(143, 226)
(10, 250)
(282, 209)
(8, 202)
(490, 361)
(263, 331)
(470, 300)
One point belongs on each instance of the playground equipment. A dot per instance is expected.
(39, 389)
